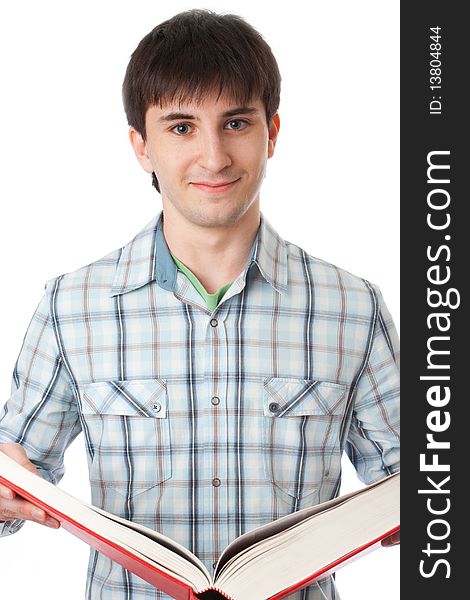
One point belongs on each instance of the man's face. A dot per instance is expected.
(209, 158)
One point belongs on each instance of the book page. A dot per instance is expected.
(259, 534)
(267, 568)
(155, 536)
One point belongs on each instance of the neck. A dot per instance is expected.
(216, 255)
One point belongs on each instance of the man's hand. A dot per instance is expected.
(392, 540)
(14, 507)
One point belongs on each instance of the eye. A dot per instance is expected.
(181, 129)
(237, 124)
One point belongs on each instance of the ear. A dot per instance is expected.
(140, 149)
(273, 132)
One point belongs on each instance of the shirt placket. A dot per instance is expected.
(211, 416)
(215, 468)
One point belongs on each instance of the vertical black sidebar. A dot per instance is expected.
(435, 258)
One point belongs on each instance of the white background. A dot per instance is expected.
(72, 190)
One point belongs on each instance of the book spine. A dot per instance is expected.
(211, 593)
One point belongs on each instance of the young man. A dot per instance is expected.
(216, 371)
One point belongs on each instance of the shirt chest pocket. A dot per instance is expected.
(302, 427)
(128, 426)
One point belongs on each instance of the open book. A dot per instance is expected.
(269, 562)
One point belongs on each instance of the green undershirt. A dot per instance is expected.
(211, 300)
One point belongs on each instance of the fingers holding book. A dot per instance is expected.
(12, 506)
(22, 509)
(391, 540)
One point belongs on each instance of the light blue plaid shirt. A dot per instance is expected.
(205, 425)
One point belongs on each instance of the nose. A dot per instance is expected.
(214, 154)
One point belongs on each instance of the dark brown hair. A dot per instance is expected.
(196, 52)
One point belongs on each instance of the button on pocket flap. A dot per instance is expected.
(142, 397)
(288, 397)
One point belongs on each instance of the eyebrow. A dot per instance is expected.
(177, 116)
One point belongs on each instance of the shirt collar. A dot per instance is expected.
(147, 258)
(270, 255)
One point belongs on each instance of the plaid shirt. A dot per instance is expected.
(205, 425)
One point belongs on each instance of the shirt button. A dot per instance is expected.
(214, 564)
(274, 407)
(216, 482)
(157, 406)
(214, 322)
(215, 400)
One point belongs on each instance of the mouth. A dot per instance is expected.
(214, 188)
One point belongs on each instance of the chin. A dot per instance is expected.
(216, 220)
(217, 216)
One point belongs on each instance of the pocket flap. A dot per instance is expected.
(289, 397)
(138, 397)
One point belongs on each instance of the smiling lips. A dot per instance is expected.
(214, 188)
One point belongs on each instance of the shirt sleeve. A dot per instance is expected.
(41, 413)
(373, 443)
